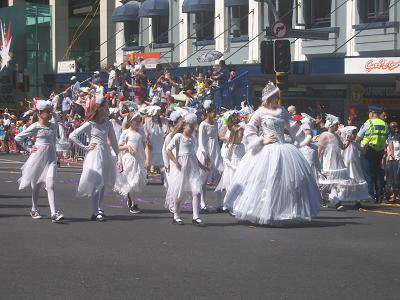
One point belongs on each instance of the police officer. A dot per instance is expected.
(372, 136)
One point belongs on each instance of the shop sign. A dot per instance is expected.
(149, 59)
(66, 66)
(372, 65)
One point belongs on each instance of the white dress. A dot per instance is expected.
(41, 164)
(166, 159)
(273, 183)
(233, 155)
(62, 140)
(310, 153)
(186, 182)
(99, 168)
(155, 133)
(133, 176)
(356, 189)
(209, 147)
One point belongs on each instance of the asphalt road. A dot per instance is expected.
(340, 255)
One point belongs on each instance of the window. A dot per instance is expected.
(317, 13)
(203, 25)
(285, 11)
(159, 27)
(373, 11)
(239, 20)
(131, 33)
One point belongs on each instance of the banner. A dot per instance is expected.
(67, 66)
(149, 59)
(372, 65)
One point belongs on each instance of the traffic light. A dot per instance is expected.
(282, 81)
(267, 57)
(282, 55)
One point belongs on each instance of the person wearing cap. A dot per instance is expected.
(66, 105)
(40, 168)
(76, 86)
(372, 136)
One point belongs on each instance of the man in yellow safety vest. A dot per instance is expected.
(372, 136)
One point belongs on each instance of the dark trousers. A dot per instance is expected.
(374, 173)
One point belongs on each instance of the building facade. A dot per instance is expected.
(324, 75)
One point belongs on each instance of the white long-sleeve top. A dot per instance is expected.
(135, 139)
(44, 135)
(167, 140)
(183, 146)
(97, 133)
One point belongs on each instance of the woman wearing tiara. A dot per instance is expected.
(273, 183)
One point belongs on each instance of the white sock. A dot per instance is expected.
(195, 205)
(50, 194)
(177, 208)
(35, 196)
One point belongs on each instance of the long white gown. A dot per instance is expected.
(209, 147)
(133, 176)
(273, 183)
(41, 164)
(155, 133)
(99, 168)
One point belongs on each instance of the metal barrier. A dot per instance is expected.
(231, 93)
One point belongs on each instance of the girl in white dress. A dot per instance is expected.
(174, 119)
(273, 182)
(310, 151)
(234, 150)
(133, 177)
(155, 129)
(209, 151)
(392, 167)
(356, 188)
(185, 176)
(333, 167)
(99, 169)
(41, 166)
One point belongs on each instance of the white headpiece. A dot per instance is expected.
(242, 125)
(152, 110)
(229, 113)
(307, 119)
(99, 99)
(43, 104)
(331, 120)
(174, 116)
(207, 104)
(348, 130)
(270, 92)
(245, 111)
(191, 118)
(131, 106)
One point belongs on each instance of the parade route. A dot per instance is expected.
(339, 255)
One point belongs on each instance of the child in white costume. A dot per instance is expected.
(209, 151)
(234, 151)
(132, 179)
(41, 166)
(356, 189)
(333, 167)
(185, 176)
(99, 169)
(273, 182)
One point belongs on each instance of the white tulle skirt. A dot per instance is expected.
(39, 166)
(333, 166)
(133, 176)
(98, 171)
(184, 183)
(311, 156)
(227, 175)
(273, 186)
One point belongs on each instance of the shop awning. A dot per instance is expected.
(236, 2)
(193, 6)
(153, 8)
(127, 12)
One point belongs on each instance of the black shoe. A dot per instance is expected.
(135, 209)
(222, 210)
(98, 218)
(101, 212)
(204, 210)
(198, 222)
(339, 206)
(357, 206)
(178, 221)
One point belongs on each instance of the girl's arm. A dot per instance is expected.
(74, 136)
(30, 131)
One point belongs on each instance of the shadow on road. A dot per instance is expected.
(115, 218)
(19, 206)
(17, 196)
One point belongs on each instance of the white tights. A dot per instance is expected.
(50, 194)
(97, 199)
(203, 204)
(132, 197)
(195, 205)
